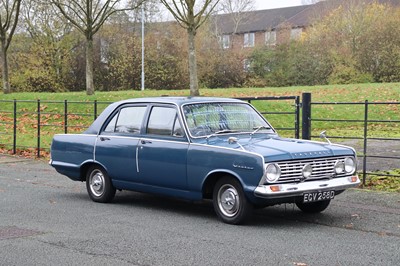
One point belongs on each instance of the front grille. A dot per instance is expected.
(323, 168)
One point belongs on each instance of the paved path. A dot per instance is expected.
(46, 219)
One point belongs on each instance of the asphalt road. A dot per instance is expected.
(46, 219)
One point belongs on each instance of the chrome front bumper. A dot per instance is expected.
(293, 190)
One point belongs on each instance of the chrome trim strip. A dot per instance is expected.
(137, 158)
(83, 135)
(294, 190)
(94, 148)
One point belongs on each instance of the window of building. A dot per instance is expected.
(270, 37)
(226, 41)
(295, 34)
(248, 39)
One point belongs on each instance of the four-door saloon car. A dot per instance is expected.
(203, 148)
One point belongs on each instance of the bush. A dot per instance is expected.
(35, 81)
(348, 75)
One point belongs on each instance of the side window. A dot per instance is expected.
(164, 121)
(128, 120)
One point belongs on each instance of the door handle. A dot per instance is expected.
(145, 141)
(104, 138)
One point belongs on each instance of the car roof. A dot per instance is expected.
(178, 100)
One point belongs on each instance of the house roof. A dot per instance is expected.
(270, 19)
(260, 20)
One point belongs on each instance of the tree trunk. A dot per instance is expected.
(4, 66)
(194, 84)
(89, 66)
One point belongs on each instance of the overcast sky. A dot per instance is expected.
(269, 4)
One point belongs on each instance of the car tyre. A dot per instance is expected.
(98, 185)
(230, 203)
(313, 207)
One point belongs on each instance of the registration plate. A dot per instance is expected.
(318, 196)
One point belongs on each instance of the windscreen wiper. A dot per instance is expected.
(256, 129)
(223, 131)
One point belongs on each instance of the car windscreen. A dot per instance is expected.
(204, 119)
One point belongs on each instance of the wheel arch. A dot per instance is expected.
(212, 178)
(85, 167)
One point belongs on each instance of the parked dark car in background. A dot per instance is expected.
(203, 148)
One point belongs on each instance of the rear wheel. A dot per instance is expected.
(98, 185)
(230, 203)
(313, 207)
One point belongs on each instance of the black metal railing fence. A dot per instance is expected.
(366, 121)
(33, 123)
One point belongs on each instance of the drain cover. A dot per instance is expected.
(8, 232)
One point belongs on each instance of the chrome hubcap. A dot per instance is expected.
(228, 200)
(97, 183)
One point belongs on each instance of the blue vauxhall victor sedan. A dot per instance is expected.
(203, 148)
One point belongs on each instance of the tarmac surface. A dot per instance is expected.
(47, 219)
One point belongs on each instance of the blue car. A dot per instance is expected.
(203, 148)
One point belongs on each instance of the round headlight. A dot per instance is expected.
(339, 167)
(272, 172)
(307, 170)
(349, 165)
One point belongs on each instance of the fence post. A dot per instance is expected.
(306, 115)
(297, 118)
(95, 109)
(15, 128)
(38, 128)
(65, 116)
(365, 142)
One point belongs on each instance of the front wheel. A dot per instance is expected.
(98, 185)
(313, 207)
(230, 203)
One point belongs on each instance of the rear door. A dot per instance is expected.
(117, 143)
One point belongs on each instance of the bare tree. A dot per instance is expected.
(48, 29)
(237, 10)
(9, 13)
(191, 16)
(88, 16)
